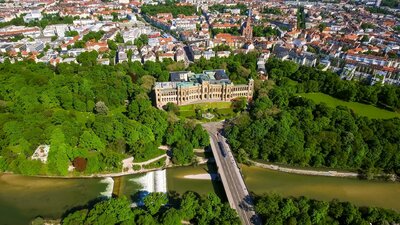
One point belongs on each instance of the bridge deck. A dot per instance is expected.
(232, 180)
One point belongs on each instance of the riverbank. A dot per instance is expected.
(202, 176)
(374, 193)
(316, 172)
(168, 164)
(331, 173)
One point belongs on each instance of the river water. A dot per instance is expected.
(23, 198)
(360, 192)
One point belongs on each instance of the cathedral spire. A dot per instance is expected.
(247, 30)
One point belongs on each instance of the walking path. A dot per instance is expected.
(149, 161)
(128, 161)
(128, 164)
(304, 171)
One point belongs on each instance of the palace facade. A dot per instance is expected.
(187, 87)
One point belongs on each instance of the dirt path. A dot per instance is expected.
(304, 171)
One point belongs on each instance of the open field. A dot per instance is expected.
(369, 111)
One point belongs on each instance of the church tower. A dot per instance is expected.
(247, 29)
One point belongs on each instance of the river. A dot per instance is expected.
(23, 198)
(360, 192)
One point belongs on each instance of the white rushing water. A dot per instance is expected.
(109, 188)
(154, 181)
(160, 181)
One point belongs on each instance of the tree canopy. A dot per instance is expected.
(101, 114)
(283, 127)
(189, 207)
(274, 209)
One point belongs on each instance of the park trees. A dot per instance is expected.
(154, 201)
(101, 108)
(189, 205)
(58, 159)
(141, 41)
(90, 141)
(273, 209)
(88, 58)
(113, 211)
(289, 129)
(96, 112)
(314, 80)
(156, 211)
(182, 152)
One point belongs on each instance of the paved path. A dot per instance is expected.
(235, 189)
(149, 161)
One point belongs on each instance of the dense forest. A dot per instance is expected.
(285, 128)
(274, 209)
(101, 114)
(189, 207)
(92, 112)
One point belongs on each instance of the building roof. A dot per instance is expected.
(188, 78)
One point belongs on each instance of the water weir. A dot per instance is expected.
(154, 181)
(109, 188)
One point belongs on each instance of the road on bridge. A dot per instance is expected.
(235, 189)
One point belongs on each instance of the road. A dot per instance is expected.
(235, 189)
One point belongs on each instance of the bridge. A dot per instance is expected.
(232, 180)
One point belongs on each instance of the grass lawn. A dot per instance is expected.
(369, 111)
(149, 155)
(224, 110)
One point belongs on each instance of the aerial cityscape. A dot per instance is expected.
(175, 112)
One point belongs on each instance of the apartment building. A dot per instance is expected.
(374, 60)
(187, 87)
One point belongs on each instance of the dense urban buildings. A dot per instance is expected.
(186, 87)
(363, 35)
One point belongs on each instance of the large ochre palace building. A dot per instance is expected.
(187, 87)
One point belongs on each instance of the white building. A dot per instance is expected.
(34, 15)
(132, 34)
(41, 153)
(53, 30)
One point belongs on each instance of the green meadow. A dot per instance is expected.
(369, 111)
(221, 110)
